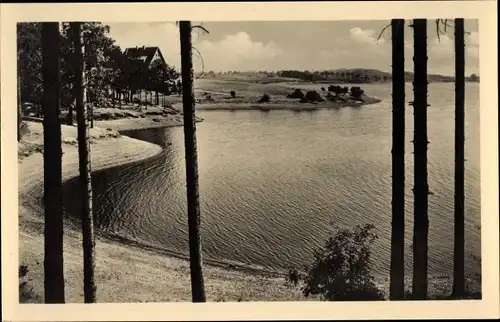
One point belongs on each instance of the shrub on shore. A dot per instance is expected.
(296, 94)
(336, 89)
(341, 270)
(312, 97)
(264, 99)
(356, 91)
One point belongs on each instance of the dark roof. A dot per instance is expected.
(147, 53)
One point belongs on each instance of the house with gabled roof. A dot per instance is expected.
(144, 57)
(138, 61)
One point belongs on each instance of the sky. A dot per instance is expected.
(300, 45)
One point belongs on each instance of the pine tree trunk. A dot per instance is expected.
(459, 256)
(52, 165)
(398, 161)
(90, 113)
(193, 202)
(89, 288)
(421, 188)
(69, 118)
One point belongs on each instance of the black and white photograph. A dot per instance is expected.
(249, 161)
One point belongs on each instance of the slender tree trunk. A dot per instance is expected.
(421, 188)
(398, 161)
(89, 288)
(69, 117)
(193, 202)
(459, 256)
(157, 100)
(52, 165)
(90, 113)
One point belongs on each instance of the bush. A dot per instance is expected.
(341, 270)
(233, 94)
(264, 99)
(338, 89)
(293, 276)
(356, 92)
(313, 96)
(335, 89)
(296, 94)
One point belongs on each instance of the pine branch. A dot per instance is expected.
(203, 29)
(383, 30)
(202, 62)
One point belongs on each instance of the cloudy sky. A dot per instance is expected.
(302, 45)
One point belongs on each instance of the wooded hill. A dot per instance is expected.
(356, 75)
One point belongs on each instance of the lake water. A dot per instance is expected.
(274, 184)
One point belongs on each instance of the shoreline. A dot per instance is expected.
(130, 124)
(110, 151)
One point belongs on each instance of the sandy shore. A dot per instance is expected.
(123, 273)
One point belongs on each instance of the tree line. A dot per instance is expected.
(108, 73)
(325, 75)
(357, 75)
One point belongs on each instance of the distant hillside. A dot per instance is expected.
(342, 75)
